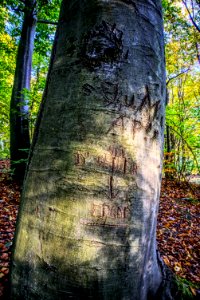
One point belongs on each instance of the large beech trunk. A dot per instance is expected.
(19, 112)
(87, 224)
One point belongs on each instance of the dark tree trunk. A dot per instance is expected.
(168, 157)
(168, 143)
(87, 224)
(170, 170)
(19, 111)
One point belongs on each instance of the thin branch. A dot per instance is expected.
(47, 22)
(177, 75)
(190, 15)
(198, 3)
(188, 146)
(198, 51)
(17, 9)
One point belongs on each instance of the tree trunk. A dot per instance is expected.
(169, 156)
(19, 112)
(87, 224)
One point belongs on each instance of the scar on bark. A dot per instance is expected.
(125, 165)
(146, 99)
(156, 107)
(79, 159)
(110, 210)
(155, 135)
(136, 125)
(148, 127)
(111, 180)
(111, 93)
(102, 44)
(162, 122)
(134, 168)
(115, 123)
(87, 89)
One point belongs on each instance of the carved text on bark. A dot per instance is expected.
(110, 211)
(114, 160)
(108, 215)
(142, 108)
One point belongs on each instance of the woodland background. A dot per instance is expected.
(182, 40)
(179, 208)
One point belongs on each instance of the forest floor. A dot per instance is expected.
(177, 230)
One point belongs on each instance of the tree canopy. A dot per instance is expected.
(182, 48)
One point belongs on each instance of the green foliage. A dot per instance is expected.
(186, 289)
(182, 40)
(38, 81)
(183, 119)
(41, 56)
(182, 113)
(11, 12)
(7, 67)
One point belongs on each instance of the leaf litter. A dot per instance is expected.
(177, 227)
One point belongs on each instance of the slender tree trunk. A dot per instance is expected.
(19, 112)
(169, 157)
(87, 224)
(168, 139)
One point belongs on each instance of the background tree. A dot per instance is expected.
(19, 113)
(7, 57)
(88, 215)
(181, 48)
(21, 96)
(183, 120)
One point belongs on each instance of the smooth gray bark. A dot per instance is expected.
(87, 224)
(19, 111)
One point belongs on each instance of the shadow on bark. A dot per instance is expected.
(57, 227)
(42, 280)
(44, 273)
